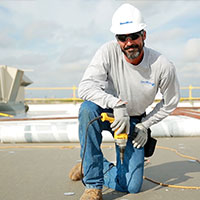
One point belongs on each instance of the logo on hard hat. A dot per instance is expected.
(127, 22)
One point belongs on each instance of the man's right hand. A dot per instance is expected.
(122, 119)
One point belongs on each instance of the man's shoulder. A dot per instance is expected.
(109, 49)
(152, 52)
(157, 56)
(111, 45)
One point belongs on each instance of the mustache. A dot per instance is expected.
(132, 46)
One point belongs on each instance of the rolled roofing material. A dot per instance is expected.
(66, 130)
(174, 126)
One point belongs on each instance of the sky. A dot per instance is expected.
(53, 41)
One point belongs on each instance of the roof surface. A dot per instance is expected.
(39, 171)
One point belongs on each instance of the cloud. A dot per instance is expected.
(188, 65)
(188, 73)
(161, 15)
(191, 69)
(41, 30)
(74, 54)
(172, 34)
(5, 40)
(66, 74)
(32, 60)
(168, 41)
(192, 50)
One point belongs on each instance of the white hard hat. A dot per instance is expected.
(127, 19)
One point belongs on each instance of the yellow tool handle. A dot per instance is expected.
(110, 117)
(107, 117)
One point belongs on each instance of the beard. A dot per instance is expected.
(135, 52)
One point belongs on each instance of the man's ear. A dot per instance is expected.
(144, 35)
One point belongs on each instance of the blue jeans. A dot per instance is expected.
(126, 177)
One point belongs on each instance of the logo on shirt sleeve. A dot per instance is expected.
(148, 82)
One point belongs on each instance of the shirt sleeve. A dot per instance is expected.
(169, 88)
(95, 83)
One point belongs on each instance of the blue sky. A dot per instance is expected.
(54, 40)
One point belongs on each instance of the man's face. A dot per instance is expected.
(132, 44)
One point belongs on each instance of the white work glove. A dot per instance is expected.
(122, 119)
(142, 136)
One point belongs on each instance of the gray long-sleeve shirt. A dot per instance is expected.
(110, 78)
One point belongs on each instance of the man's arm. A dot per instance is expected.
(95, 83)
(169, 88)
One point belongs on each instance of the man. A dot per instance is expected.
(123, 77)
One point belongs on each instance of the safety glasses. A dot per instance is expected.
(132, 36)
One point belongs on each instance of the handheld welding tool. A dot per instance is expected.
(120, 139)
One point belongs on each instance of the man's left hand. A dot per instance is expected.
(142, 136)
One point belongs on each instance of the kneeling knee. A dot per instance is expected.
(88, 108)
(135, 187)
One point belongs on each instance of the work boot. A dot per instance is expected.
(92, 194)
(75, 173)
